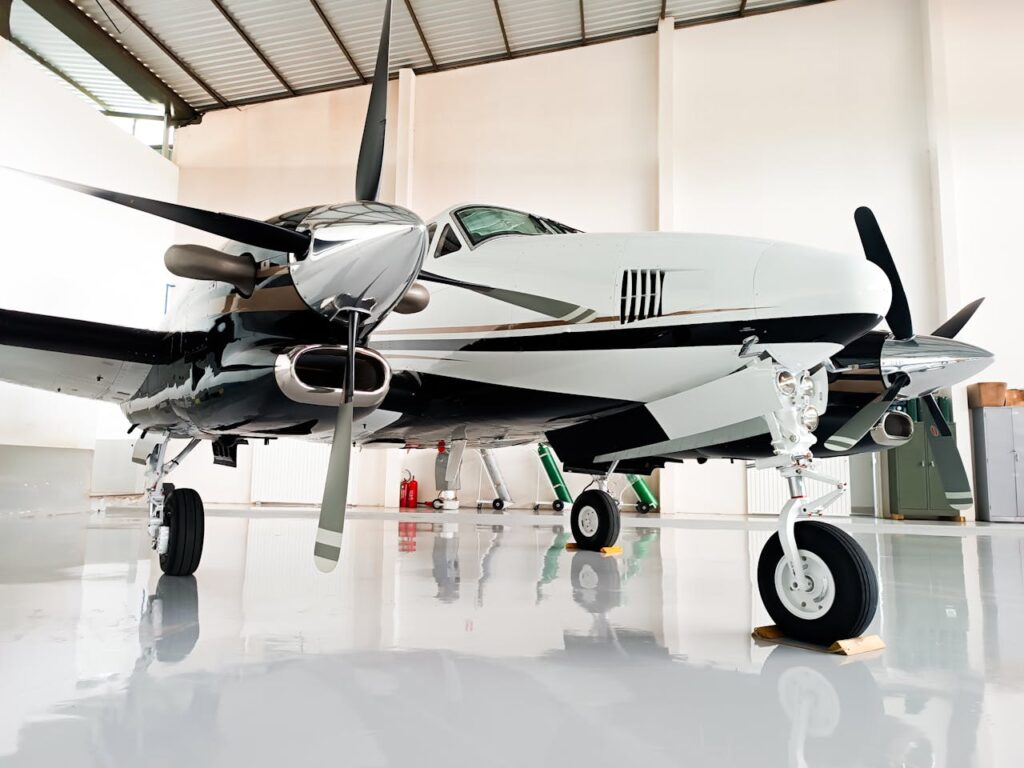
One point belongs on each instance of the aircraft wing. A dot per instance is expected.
(75, 357)
(733, 407)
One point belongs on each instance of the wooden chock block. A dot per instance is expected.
(572, 546)
(848, 647)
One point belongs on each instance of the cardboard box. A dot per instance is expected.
(1015, 397)
(986, 394)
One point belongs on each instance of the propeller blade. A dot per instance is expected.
(563, 310)
(371, 148)
(327, 549)
(248, 231)
(955, 324)
(877, 253)
(947, 458)
(863, 420)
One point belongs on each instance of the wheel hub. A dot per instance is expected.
(588, 521)
(809, 596)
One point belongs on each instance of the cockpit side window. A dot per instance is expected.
(447, 243)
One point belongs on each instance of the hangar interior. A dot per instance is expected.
(440, 634)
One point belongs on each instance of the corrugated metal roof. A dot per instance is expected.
(35, 33)
(612, 17)
(118, 26)
(460, 30)
(690, 10)
(294, 39)
(541, 23)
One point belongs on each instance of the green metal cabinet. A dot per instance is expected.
(915, 489)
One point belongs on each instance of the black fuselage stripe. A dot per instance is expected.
(831, 329)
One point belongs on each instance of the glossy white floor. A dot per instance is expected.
(479, 640)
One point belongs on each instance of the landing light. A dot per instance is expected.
(786, 382)
(806, 384)
(809, 418)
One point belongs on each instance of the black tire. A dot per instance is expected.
(437, 504)
(558, 505)
(498, 503)
(607, 518)
(643, 507)
(853, 582)
(183, 514)
(596, 583)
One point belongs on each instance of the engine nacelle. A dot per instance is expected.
(315, 374)
(894, 429)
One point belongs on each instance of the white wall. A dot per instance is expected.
(786, 122)
(568, 134)
(67, 254)
(980, 73)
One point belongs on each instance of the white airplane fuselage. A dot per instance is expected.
(568, 324)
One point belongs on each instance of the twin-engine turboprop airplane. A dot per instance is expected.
(360, 323)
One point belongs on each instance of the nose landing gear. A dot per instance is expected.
(176, 515)
(835, 597)
(816, 582)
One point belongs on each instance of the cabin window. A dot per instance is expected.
(447, 243)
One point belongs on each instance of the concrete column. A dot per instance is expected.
(666, 124)
(404, 128)
(947, 258)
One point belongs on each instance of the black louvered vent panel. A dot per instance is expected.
(641, 295)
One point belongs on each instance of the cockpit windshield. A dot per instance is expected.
(483, 222)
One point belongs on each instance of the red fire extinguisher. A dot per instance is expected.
(412, 493)
(404, 492)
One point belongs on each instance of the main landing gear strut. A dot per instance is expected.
(815, 580)
(595, 518)
(176, 519)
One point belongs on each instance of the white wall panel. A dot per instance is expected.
(68, 254)
(292, 472)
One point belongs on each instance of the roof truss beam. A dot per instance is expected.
(89, 36)
(501, 24)
(168, 52)
(5, 19)
(423, 37)
(337, 40)
(252, 45)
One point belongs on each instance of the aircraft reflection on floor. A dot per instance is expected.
(590, 658)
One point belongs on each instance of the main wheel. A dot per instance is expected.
(594, 520)
(183, 514)
(839, 595)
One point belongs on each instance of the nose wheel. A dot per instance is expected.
(595, 520)
(836, 595)
(184, 517)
